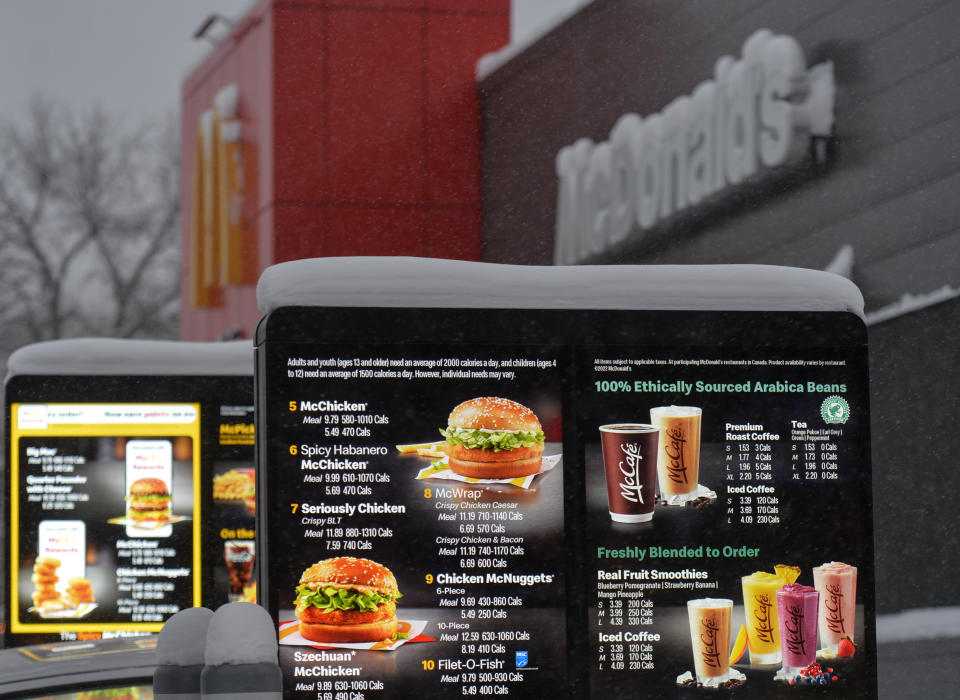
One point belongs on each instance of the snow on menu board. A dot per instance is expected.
(433, 283)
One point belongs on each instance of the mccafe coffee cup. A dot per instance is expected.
(630, 465)
(678, 461)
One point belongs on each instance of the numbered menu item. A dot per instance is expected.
(620, 503)
(419, 510)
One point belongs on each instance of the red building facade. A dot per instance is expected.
(325, 128)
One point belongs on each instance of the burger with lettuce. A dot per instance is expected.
(493, 438)
(148, 501)
(347, 600)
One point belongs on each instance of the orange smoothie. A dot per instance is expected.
(760, 610)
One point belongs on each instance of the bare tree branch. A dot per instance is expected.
(89, 222)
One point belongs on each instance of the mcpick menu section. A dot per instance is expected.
(518, 503)
(104, 532)
(229, 555)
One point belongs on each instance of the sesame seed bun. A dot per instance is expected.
(147, 486)
(334, 625)
(350, 572)
(494, 413)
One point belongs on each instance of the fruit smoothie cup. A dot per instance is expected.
(836, 583)
(797, 614)
(760, 610)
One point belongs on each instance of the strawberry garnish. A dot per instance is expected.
(846, 647)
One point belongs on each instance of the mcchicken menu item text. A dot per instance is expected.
(512, 502)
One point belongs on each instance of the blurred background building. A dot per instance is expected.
(404, 129)
(631, 131)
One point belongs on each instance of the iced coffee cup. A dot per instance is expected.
(836, 583)
(797, 612)
(678, 459)
(710, 638)
(630, 466)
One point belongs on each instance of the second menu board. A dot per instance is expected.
(626, 504)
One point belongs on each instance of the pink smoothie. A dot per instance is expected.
(837, 584)
(797, 612)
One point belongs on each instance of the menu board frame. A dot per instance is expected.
(409, 328)
(207, 392)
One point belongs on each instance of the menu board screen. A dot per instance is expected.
(104, 515)
(157, 495)
(747, 572)
(471, 549)
(642, 504)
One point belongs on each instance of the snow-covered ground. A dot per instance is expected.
(918, 624)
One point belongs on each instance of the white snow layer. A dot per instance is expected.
(183, 638)
(491, 62)
(909, 303)
(842, 263)
(436, 283)
(238, 17)
(919, 623)
(115, 356)
(241, 633)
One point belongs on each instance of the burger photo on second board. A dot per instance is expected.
(148, 501)
(347, 600)
(493, 438)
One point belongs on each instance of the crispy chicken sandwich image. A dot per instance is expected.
(347, 600)
(148, 500)
(493, 438)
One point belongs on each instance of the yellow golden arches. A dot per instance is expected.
(220, 253)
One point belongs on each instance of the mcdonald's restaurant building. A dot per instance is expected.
(322, 129)
(818, 134)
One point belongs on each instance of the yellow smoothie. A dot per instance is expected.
(760, 610)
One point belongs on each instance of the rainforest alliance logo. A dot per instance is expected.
(835, 409)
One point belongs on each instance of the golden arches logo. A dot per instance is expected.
(221, 252)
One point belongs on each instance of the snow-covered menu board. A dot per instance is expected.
(470, 502)
(129, 496)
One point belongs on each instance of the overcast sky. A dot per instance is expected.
(127, 55)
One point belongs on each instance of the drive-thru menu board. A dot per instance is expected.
(130, 490)
(699, 512)
(105, 518)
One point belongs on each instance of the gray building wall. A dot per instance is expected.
(890, 187)
(914, 386)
